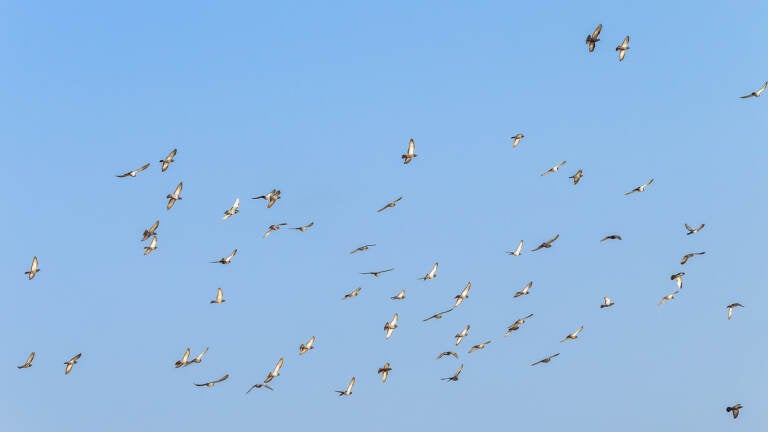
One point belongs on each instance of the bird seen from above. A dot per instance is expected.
(640, 188)
(271, 197)
(389, 204)
(227, 259)
(577, 177)
(134, 172)
(730, 309)
(28, 363)
(688, 256)
(516, 325)
(409, 154)
(593, 38)
(167, 161)
(348, 390)
(175, 196)
(757, 92)
(213, 383)
(622, 48)
(151, 231)
(547, 244)
(33, 269)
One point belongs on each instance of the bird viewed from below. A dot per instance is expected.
(214, 382)
(607, 302)
(622, 48)
(71, 363)
(478, 347)
(151, 231)
(640, 188)
(409, 154)
(184, 359)
(378, 272)
(390, 326)
(303, 228)
(219, 296)
(362, 248)
(688, 256)
(389, 204)
(692, 230)
(175, 196)
(232, 211)
(447, 353)
(305, 347)
(258, 386)
(384, 371)
(274, 373)
(516, 139)
(593, 38)
(28, 363)
(152, 246)
(399, 296)
(546, 359)
(437, 315)
(611, 237)
(134, 172)
(168, 160)
(577, 177)
(547, 244)
(525, 290)
(516, 325)
(678, 278)
(198, 358)
(354, 293)
(348, 390)
(273, 228)
(455, 376)
(734, 410)
(33, 269)
(517, 250)
(574, 335)
(667, 298)
(553, 169)
(731, 307)
(271, 197)
(227, 259)
(461, 335)
(432, 273)
(757, 92)
(463, 295)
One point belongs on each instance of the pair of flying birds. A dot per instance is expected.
(594, 38)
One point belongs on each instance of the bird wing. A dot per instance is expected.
(199, 357)
(519, 247)
(411, 147)
(465, 291)
(224, 378)
(145, 166)
(579, 330)
(622, 54)
(351, 384)
(279, 364)
(185, 357)
(730, 312)
(30, 358)
(596, 33)
(219, 294)
(177, 191)
(232, 255)
(552, 240)
(33, 267)
(394, 320)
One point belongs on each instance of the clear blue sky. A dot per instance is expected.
(319, 100)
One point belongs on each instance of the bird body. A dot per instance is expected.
(730, 309)
(377, 273)
(640, 188)
(272, 228)
(183, 361)
(362, 248)
(667, 298)
(461, 335)
(389, 204)
(692, 230)
(516, 139)
(455, 376)
(437, 315)
(734, 410)
(678, 278)
(151, 231)
(688, 256)
(354, 293)
(553, 169)
(546, 360)
(304, 228)
(399, 296)
(478, 346)
(432, 273)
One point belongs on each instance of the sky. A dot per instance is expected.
(319, 101)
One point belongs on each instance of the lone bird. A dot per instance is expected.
(478, 346)
(640, 188)
(432, 273)
(232, 211)
(574, 335)
(547, 244)
(516, 325)
(546, 360)
(447, 353)
(730, 309)
(214, 382)
(273, 228)
(304, 228)
(678, 278)
(168, 160)
(622, 49)
(219, 297)
(354, 293)
(437, 315)
(553, 169)
(461, 335)
(756, 93)
(152, 231)
(152, 246)
(409, 154)
(134, 172)
(28, 363)
(688, 256)
(274, 372)
(593, 38)
(390, 326)
(271, 197)
(517, 250)
(389, 204)
(310, 345)
(463, 295)
(454, 377)
(611, 237)
(577, 177)
(516, 139)
(399, 296)
(175, 196)
(227, 259)
(693, 230)
(33, 269)
(734, 410)
(667, 298)
(377, 273)
(348, 390)
(258, 386)
(70, 363)
(525, 290)
(607, 302)
(362, 248)
(384, 371)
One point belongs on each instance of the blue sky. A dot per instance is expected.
(320, 100)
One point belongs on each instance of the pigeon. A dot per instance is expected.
(574, 335)
(152, 231)
(546, 244)
(730, 310)
(678, 278)
(437, 315)
(384, 371)
(463, 295)
(214, 382)
(348, 390)
(399, 296)
(310, 345)
(258, 386)
(304, 228)
(478, 346)
(275, 372)
(390, 326)
(219, 297)
(389, 204)
(757, 92)
(447, 353)
(227, 259)
(175, 196)
(525, 290)
(688, 256)
(271, 197)
(593, 38)
(232, 211)
(354, 293)
(622, 49)
(461, 335)
(611, 237)
(152, 246)
(183, 361)
(516, 139)
(70, 363)
(553, 169)
(28, 363)
(199, 358)
(362, 248)
(455, 376)
(517, 250)
(432, 273)
(409, 155)
(33, 269)
(516, 325)
(734, 410)
(377, 273)
(668, 297)
(134, 172)
(693, 230)
(607, 302)
(546, 360)
(640, 188)
(577, 177)
(272, 228)
(167, 161)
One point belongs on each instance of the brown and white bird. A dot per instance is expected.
(274, 373)
(437, 315)
(175, 196)
(546, 244)
(212, 383)
(304, 228)
(362, 248)
(461, 335)
(310, 345)
(678, 278)
(622, 49)
(688, 256)
(516, 139)
(553, 169)
(463, 295)
(152, 231)
(378, 272)
(232, 210)
(271, 197)
(198, 358)
(757, 92)
(389, 204)
(384, 371)
(152, 246)
(184, 359)
(546, 360)
(258, 386)
(28, 363)
(478, 347)
(70, 363)
(692, 230)
(447, 353)
(517, 250)
(640, 188)
(734, 410)
(730, 309)
(667, 298)
(227, 259)
(134, 172)
(516, 325)
(33, 269)
(348, 390)
(432, 273)
(273, 228)
(607, 302)
(219, 297)
(611, 237)
(390, 326)
(167, 161)
(577, 177)
(399, 296)
(409, 154)
(353, 293)
(525, 290)
(594, 38)
(455, 376)
(574, 335)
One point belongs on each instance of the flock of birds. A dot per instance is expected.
(273, 196)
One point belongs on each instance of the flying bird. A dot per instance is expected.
(447, 353)
(152, 231)
(593, 38)
(678, 278)
(399, 296)
(546, 360)
(577, 177)
(553, 169)
(611, 237)
(219, 297)
(152, 246)
(461, 335)
(574, 335)
(348, 390)
(258, 386)
(310, 345)
(377, 273)
(640, 188)
(432, 273)
(362, 248)
(389, 204)
(183, 361)
(730, 310)
(437, 315)
(516, 139)
(622, 49)
(607, 302)
(517, 250)
(28, 363)
(409, 154)
(232, 211)
(175, 196)
(546, 244)
(33, 269)
(463, 295)
(734, 410)
(354, 293)
(227, 259)
(478, 346)
(198, 358)
(273, 228)
(390, 326)
(525, 290)
(384, 371)
(304, 228)
(134, 172)
(70, 363)
(516, 325)
(455, 376)
(274, 372)
(757, 92)
(693, 230)
(168, 160)
(214, 382)
(668, 297)
(688, 256)
(271, 197)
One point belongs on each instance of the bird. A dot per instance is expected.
(437, 315)
(546, 244)
(432, 273)
(354, 293)
(389, 204)
(232, 211)
(463, 295)
(668, 297)
(399, 296)
(28, 363)
(175, 196)
(348, 390)
(274, 227)
(183, 361)
(688, 256)
(454, 377)
(730, 310)
(274, 372)
(70, 363)
(478, 346)
(384, 371)
(271, 197)
(678, 278)
(693, 230)
(525, 290)
(640, 188)
(409, 154)
(219, 297)
(152, 246)
(577, 177)
(310, 345)
(593, 38)
(574, 335)
(134, 172)
(33, 269)
(167, 161)
(390, 326)
(255, 386)
(546, 360)
(151, 231)
(227, 259)
(516, 139)
(607, 302)
(553, 169)
(622, 49)
(214, 382)
(757, 92)
(517, 250)
(303, 228)
(198, 358)
(611, 237)
(461, 335)
(516, 325)
(377, 273)
(362, 248)
(734, 409)
(447, 353)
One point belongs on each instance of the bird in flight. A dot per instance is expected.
(437, 315)
(70, 363)
(693, 230)
(183, 361)
(525, 290)
(272, 228)
(640, 188)
(574, 335)
(384, 371)
(593, 38)
(168, 160)
(152, 231)
(219, 297)
(447, 353)
(362, 248)
(134, 172)
(354, 293)
(28, 363)
(389, 204)
(516, 139)
(546, 360)
(553, 169)
(432, 273)
(516, 325)
(464, 294)
(688, 256)
(730, 310)
(454, 377)
(622, 49)
(409, 154)
(227, 259)
(390, 326)
(678, 278)
(348, 390)
(214, 382)
(377, 273)
(258, 386)
(175, 196)
(517, 250)
(33, 269)
(304, 228)
(577, 177)
(198, 358)
(668, 297)
(757, 92)
(152, 246)
(271, 197)
(611, 237)
(734, 410)
(399, 296)
(461, 335)
(274, 372)
(607, 302)
(478, 346)
(310, 345)
(232, 211)
(546, 244)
